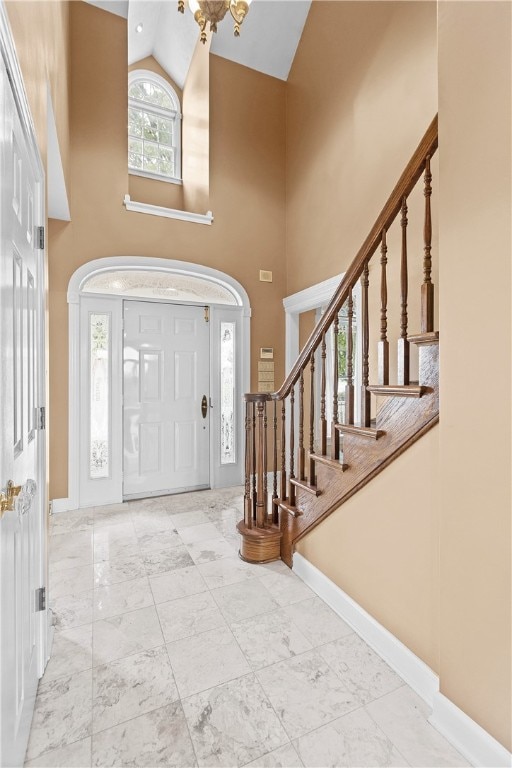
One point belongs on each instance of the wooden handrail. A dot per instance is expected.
(404, 186)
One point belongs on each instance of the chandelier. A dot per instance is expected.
(212, 11)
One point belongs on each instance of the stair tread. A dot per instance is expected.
(328, 461)
(431, 337)
(306, 486)
(354, 429)
(293, 511)
(398, 390)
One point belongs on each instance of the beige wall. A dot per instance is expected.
(381, 548)
(196, 131)
(433, 567)
(246, 195)
(475, 86)
(361, 93)
(40, 31)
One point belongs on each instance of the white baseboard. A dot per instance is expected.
(61, 505)
(469, 738)
(403, 661)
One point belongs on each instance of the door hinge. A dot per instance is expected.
(42, 417)
(207, 314)
(41, 599)
(40, 238)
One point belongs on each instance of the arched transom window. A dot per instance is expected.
(154, 127)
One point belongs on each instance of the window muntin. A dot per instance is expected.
(154, 130)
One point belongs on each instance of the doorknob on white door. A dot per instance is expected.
(8, 497)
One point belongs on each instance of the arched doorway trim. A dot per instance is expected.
(75, 291)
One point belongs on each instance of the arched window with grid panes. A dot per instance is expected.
(154, 127)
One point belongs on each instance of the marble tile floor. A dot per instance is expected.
(171, 651)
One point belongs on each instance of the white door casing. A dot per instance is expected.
(23, 630)
(224, 470)
(166, 397)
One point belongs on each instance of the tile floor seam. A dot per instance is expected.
(379, 657)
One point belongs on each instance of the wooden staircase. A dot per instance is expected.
(311, 478)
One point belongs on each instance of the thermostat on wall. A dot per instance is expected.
(267, 353)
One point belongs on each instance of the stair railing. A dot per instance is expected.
(260, 528)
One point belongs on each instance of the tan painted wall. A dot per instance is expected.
(381, 548)
(475, 87)
(246, 195)
(452, 541)
(40, 31)
(361, 93)
(196, 131)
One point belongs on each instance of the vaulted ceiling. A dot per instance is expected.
(269, 36)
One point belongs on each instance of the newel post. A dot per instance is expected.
(260, 536)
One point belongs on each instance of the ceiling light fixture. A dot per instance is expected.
(212, 11)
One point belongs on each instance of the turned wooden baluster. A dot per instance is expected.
(264, 465)
(261, 512)
(349, 390)
(283, 451)
(275, 510)
(248, 463)
(274, 423)
(383, 349)
(291, 492)
(335, 437)
(302, 452)
(323, 420)
(365, 394)
(254, 494)
(427, 289)
(311, 474)
(403, 344)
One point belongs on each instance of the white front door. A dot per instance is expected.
(166, 398)
(22, 523)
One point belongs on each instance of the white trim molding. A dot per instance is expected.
(403, 661)
(167, 213)
(113, 264)
(469, 738)
(466, 736)
(314, 297)
(61, 505)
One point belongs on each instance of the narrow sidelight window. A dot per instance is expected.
(227, 393)
(99, 362)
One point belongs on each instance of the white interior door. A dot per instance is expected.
(21, 442)
(166, 398)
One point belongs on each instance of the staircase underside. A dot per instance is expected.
(402, 419)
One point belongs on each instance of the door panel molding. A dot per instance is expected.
(23, 530)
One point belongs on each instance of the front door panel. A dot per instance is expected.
(166, 375)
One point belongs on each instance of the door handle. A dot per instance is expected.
(7, 498)
(12, 492)
(204, 406)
